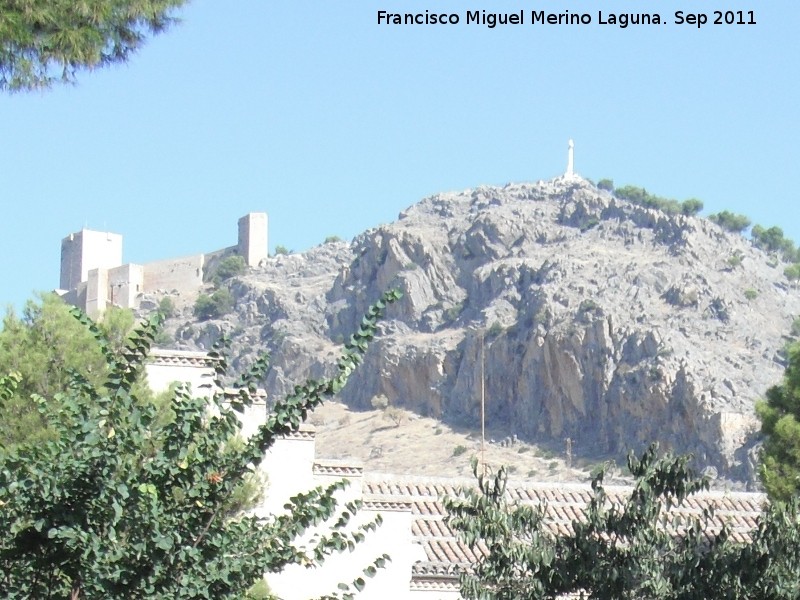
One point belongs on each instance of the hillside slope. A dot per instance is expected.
(600, 321)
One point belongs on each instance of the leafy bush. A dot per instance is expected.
(751, 294)
(734, 260)
(691, 207)
(496, 329)
(459, 450)
(773, 240)
(606, 184)
(216, 305)
(642, 197)
(730, 221)
(331, 239)
(166, 307)
(452, 313)
(230, 266)
(623, 545)
(281, 250)
(380, 402)
(792, 272)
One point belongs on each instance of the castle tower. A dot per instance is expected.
(86, 250)
(253, 238)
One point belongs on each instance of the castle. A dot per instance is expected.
(94, 277)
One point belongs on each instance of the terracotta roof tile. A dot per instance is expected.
(564, 504)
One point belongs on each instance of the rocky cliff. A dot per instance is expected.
(598, 320)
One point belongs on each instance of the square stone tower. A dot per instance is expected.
(86, 250)
(253, 240)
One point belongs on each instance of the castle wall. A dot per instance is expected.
(96, 292)
(253, 238)
(125, 284)
(182, 274)
(86, 250)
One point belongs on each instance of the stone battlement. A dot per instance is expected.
(94, 277)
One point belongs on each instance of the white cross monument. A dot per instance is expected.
(570, 160)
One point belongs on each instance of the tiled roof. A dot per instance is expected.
(565, 502)
(163, 357)
(337, 467)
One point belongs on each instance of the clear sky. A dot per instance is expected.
(331, 123)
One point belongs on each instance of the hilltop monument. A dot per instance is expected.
(570, 172)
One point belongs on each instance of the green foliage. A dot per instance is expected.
(44, 345)
(642, 197)
(780, 424)
(792, 272)
(452, 313)
(281, 250)
(623, 547)
(332, 239)
(730, 221)
(751, 294)
(230, 266)
(691, 207)
(117, 506)
(496, 329)
(606, 184)
(166, 307)
(45, 41)
(795, 329)
(216, 305)
(772, 240)
(734, 260)
(380, 402)
(259, 591)
(459, 450)
(390, 413)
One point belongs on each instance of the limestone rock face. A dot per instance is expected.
(598, 320)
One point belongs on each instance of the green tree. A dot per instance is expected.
(230, 266)
(792, 272)
(218, 304)
(730, 221)
(780, 424)
(44, 345)
(166, 307)
(606, 184)
(623, 549)
(47, 41)
(642, 197)
(773, 240)
(691, 207)
(115, 507)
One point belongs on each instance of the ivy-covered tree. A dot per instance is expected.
(780, 424)
(624, 549)
(47, 41)
(120, 506)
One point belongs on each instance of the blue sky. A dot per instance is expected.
(312, 112)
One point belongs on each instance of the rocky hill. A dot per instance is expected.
(599, 320)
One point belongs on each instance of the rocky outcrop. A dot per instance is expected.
(597, 320)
